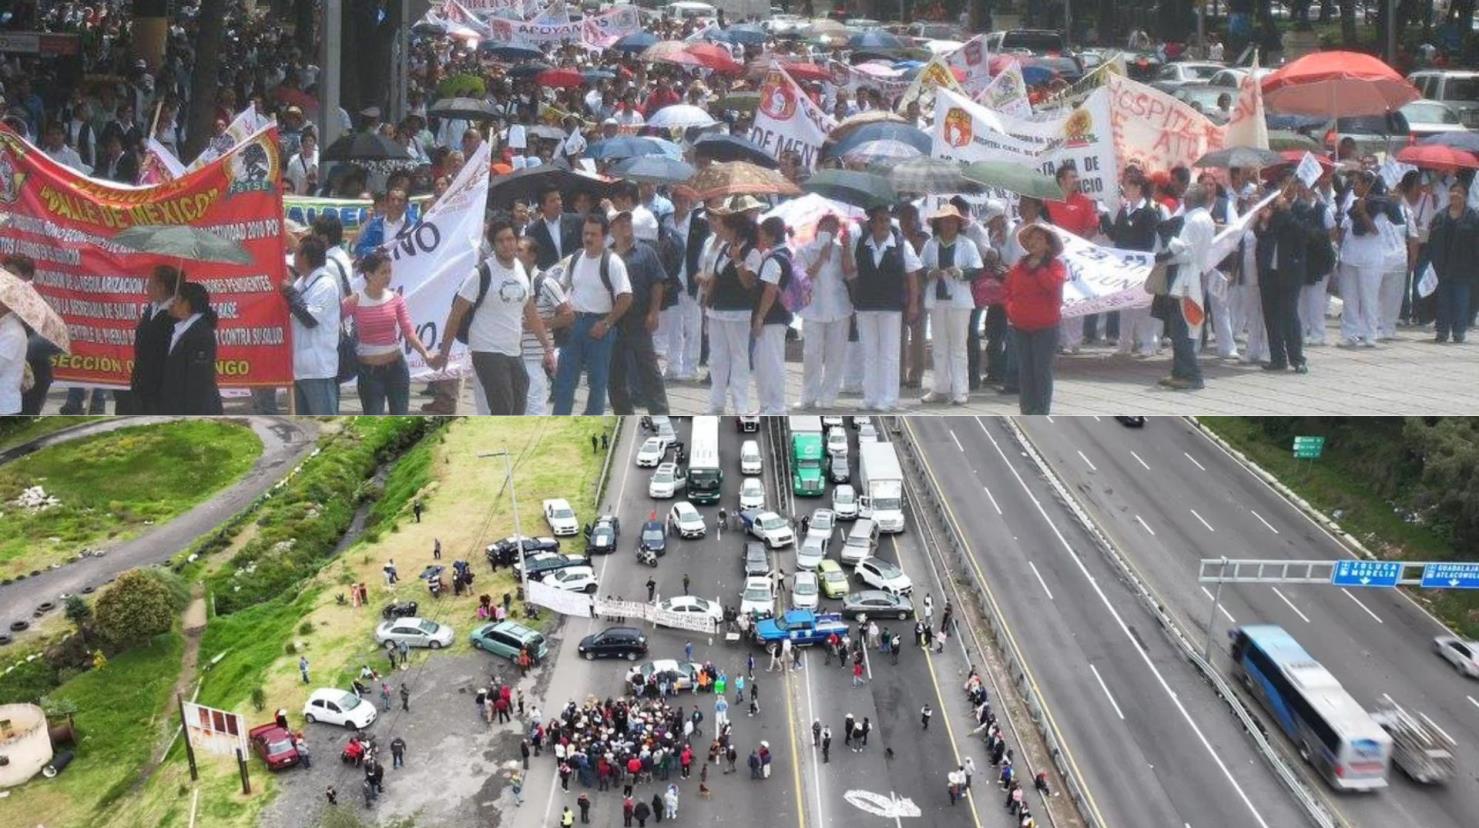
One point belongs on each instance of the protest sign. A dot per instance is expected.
(618, 610)
(217, 732)
(1102, 279)
(695, 621)
(935, 76)
(787, 120)
(1309, 169)
(159, 164)
(1155, 131)
(353, 213)
(973, 61)
(1007, 93)
(562, 601)
(66, 223)
(246, 124)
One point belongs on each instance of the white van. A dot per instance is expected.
(750, 457)
(862, 541)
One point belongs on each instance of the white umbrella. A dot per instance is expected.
(681, 116)
(801, 214)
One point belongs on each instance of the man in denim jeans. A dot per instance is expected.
(313, 297)
(599, 303)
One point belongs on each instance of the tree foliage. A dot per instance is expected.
(137, 607)
(78, 612)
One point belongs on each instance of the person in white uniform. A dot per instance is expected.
(950, 261)
(884, 271)
(825, 318)
(681, 331)
(731, 293)
(1314, 298)
(772, 318)
(1362, 259)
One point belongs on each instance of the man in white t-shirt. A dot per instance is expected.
(497, 295)
(600, 294)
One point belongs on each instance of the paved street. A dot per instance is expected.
(1169, 496)
(1154, 746)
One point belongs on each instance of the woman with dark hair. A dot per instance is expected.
(772, 319)
(383, 327)
(189, 382)
(1452, 241)
(151, 343)
(1034, 299)
(731, 293)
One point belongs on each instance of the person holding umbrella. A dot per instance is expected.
(189, 382)
(1451, 244)
(949, 267)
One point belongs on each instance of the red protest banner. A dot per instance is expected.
(66, 221)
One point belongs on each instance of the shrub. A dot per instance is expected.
(259, 699)
(305, 628)
(135, 608)
(77, 610)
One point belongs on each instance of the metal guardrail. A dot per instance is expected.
(606, 464)
(1314, 809)
(1015, 661)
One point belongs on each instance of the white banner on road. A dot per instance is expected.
(562, 601)
(626, 610)
(1103, 279)
(786, 119)
(697, 622)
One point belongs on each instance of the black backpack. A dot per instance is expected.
(1319, 254)
(485, 279)
(562, 335)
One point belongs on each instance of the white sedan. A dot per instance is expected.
(415, 632)
(560, 517)
(757, 596)
(752, 494)
(331, 705)
(573, 579)
(665, 481)
(880, 574)
(690, 604)
(686, 520)
(651, 452)
(805, 590)
(750, 457)
(1463, 655)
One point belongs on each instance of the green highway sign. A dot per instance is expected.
(1308, 448)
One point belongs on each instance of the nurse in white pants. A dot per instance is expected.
(950, 262)
(681, 328)
(731, 287)
(771, 318)
(1395, 264)
(824, 319)
(1362, 260)
(884, 271)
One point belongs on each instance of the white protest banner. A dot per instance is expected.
(1155, 131)
(218, 732)
(243, 126)
(1247, 127)
(562, 601)
(429, 262)
(966, 131)
(1007, 93)
(888, 81)
(935, 76)
(505, 32)
(1428, 283)
(619, 610)
(601, 30)
(695, 621)
(513, 9)
(1309, 169)
(786, 119)
(1226, 241)
(1103, 279)
(973, 60)
(159, 164)
(554, 14)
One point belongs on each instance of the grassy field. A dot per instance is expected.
(1338, 484)
(113, 485)
(17, 431)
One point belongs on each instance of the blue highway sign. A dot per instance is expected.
(1366, 573)
(1451, 576)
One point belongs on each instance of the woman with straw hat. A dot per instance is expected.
(950, 262)
(1034, 299)
(732, 293)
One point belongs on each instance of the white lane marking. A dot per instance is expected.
(1050, 419)
(1291, 605)
(1088, 461)
(956, 439)
(1203, 520)
(1264, 522)
(1040, 580)
(1142, 522)
(1472, 701)
(993, 499)
(1361, 605)
(1434, 725)
(1107, 694)
(816, 765)
(1220, 607)
(1194, 461)
(1142, 463)
(1097, 418)
(1125, 629)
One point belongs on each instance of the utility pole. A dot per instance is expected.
(1212, 619)
(1391, 32)
(513, 500)
(1202, 29)
(399, 104)
(330, 50)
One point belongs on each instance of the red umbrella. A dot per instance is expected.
(1337, 83)
(1294, 156)
(568, 78)
(715, 57)
(808, 71)
(1437, 156)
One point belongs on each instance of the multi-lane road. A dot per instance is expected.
(1168, 497)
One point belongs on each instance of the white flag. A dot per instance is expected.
(1007, 93)
(1309, 169)
(935, 75)
(246, 124)
(1428, 283)
(786, 119)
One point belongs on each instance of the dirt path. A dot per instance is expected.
(194, 620)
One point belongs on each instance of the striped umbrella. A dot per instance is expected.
(881, 152)
(926, 175)
(727, 178)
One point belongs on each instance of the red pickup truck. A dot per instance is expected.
(274, 745)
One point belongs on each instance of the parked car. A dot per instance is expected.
(531, 546)
(665, 481)
(505, 638)
(1373, 134)
(560, 517)
(653, 538)
(691, 604)
(684, 674)
(757, 596)
(601, 536)
(834, 580)
(1233, 75)
(684, 519)
(1425, 118)
(757, 560)
(880, 574)
(331, 705)
(572, 579)
(1457, 87)
(751, 494)
(614, 642)
(1203, 98)
(1172, 75)
(810, 553)
(1463, 655)
(805, 590)
(876, 603)
(274, 746)
(1036, 41)
(541, 564)
(769, 527)
(750, 462)
(845, 502)
(414, 632)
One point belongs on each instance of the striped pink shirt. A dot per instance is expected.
(380, 325)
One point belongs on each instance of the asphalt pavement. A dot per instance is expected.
(285, 442)
(1149, 739)
(1168, 497)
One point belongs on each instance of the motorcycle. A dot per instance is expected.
(647, 556)
(400, 609)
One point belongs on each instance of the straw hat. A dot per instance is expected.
(1055, 241)
(738, 204)
(947, 211)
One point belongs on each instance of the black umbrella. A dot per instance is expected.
(365, 146)
(734, 148)
(467, 109)
(526, 185)
(529, 70)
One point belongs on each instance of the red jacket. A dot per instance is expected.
(658, 99)
(1078, 215)
(1034, 296)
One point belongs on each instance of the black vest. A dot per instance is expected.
(729, 292)
(880, 286)
(693, 248)
(944, 258)
(778, 315)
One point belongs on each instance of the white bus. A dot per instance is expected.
(705, 476)
(1331, 730)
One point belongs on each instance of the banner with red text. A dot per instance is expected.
(786, 119)
(973, 61)
(66, 222)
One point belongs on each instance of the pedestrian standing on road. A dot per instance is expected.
(685, 584)
(867, 727)
(627, 805)
(731, 755)
(919, 633)
(1006, 772)
(775, 652)
(739, 687)
(567, 818)
(516, 784)
(397, 752)
(651, 585)
(893, 648)
(929, 608)
(524, 752)
(390, 655)
(847, 724)
(303, 667)
(584, 803)
(405, 697)
(969, 767)
(331, 795)
(385, 695)
(754, 765)
(873, 634)
(658, 811)
(721, 711)
(688, 647)
(641, 812)
(1014, 798)
(952, 784)
(564, 770)
(826, 745)
(754, 704)
(816, 733)
(670, 802)
(405, 650)
(940, 638)
(857, 674)
(416, 510)
(302, 747)
(749, 667)
(947, 615)
(785, 654)
(924, 716)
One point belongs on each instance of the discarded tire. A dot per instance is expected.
(20, 626)
(5, 639)
(88, 590)
(46, 606)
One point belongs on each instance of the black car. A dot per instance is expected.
(546, 562)
(1131, 422)
(653, 537)
(757, 562)
(600, 537)
(614, 642)
(506, 551)
(837, 469)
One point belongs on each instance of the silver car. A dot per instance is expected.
(811, 552)
(415, 632)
